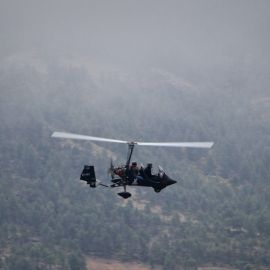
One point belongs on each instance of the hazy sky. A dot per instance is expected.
(134, 33)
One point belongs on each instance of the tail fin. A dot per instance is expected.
(88, 175)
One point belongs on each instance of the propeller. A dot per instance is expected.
(65, 135)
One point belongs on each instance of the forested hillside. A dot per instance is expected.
(218, 213)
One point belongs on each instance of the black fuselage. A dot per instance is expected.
(143, 178)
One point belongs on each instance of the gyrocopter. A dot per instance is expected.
(130, 174)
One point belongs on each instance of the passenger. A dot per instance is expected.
(137, 173)
(134, 169)
(141, 171)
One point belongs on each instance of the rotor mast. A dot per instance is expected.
(131, 146)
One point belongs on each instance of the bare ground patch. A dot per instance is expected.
(103, 264)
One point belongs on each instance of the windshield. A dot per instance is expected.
(160, 171)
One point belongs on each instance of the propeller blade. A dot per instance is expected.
(111, 164)
(111, 169)
(65, 135)
(179, 144)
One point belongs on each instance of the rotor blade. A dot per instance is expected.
(179, 144)
(65, 135)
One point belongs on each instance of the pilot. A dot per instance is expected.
(141, 170)
(148, 170)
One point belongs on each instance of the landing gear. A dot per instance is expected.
(125, 181)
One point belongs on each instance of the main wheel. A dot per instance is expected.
(124, 194)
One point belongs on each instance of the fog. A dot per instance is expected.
(193, 57)
(172, 35)
(147, 70)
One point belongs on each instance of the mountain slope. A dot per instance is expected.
(217, 214)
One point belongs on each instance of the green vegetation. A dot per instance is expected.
(218, 213)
